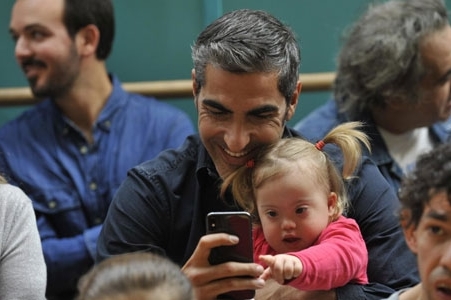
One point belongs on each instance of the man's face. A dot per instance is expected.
(44, 50)
(238, 113)
(431, 242)
(435, 104)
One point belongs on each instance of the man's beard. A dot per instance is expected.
(60, 81)
(52, 88)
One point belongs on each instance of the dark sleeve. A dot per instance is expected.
(391, 264)
(132, 224)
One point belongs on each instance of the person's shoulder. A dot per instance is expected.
(367, 169)
(395, 295)
(164, 116)
(178, 160)
(140, 102)
(12, 197)
(142, 108)
(442, 130)
(31, 118)
(345, 220)
(27, 131)
(368, 181)
(152, 104)
(319, 122)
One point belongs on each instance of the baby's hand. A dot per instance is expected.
(281, 267)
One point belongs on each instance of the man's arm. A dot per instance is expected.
(67, 259)
(22, 262)
(210, 281)
(133, 224)
(273, 290)
(391, 265)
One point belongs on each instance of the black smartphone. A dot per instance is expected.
(237, 223)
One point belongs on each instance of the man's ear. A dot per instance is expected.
(409, 230)
(194, 83)
(411, 238)
(87, 40)
(293, 101)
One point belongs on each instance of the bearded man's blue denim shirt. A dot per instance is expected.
(71, 182)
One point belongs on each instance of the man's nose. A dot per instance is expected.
(22, 49)
(237, 137)
(446, 257)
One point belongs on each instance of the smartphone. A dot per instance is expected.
(237, 223)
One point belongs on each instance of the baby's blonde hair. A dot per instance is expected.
(279, 158)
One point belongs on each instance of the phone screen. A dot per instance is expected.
(239, 224)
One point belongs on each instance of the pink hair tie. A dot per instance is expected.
(320, 145)
(250, 164)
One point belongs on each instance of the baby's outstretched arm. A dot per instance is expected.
(281, 267)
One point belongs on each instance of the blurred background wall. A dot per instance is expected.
(153, 40)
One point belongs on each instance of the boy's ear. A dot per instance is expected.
(411, 239)
(409, 230)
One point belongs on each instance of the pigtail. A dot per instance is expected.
(349, 139)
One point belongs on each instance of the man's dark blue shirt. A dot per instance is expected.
(162, 206)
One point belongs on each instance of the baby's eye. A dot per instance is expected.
(301, 210)
(271, 214)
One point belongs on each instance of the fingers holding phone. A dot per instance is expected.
(209, 281)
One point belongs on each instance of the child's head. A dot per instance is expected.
(135, 276)
(432, 175)
(294, 190)
(425, 197)
(298, 192)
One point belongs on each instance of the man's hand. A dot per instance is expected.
(281, 267)
(210, 281)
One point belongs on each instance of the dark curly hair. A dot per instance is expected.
(431, 176)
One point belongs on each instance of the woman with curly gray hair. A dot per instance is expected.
(394, 74)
